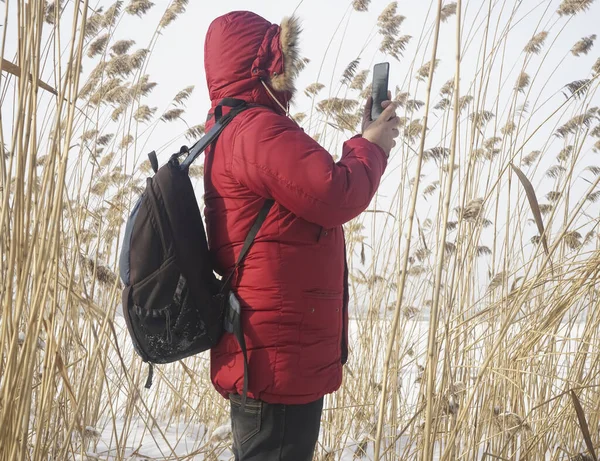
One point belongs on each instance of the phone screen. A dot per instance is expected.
(381, 74)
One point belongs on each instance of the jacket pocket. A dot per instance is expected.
(320, 335)
(323, 294)
(322, 314)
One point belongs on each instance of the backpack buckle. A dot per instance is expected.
(233, 312)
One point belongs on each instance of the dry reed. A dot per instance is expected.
(473, 305)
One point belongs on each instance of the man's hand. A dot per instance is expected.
(383, 130)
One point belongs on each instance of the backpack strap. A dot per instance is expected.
(221, 121)
(258, 222)
(234, 312)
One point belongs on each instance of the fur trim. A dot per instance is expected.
(288, 37)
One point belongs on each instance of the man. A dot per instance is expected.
(292, 285)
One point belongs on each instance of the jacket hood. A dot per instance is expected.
(242, 48)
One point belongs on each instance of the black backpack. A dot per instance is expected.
(173, 303)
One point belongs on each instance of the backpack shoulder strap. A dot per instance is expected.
(234, 312)
(258, 222)
(260, 219)
(221, 121)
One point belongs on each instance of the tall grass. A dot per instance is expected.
(474, 274)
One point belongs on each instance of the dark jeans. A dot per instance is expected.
(274, 432)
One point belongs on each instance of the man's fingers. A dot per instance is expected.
(394, 121)
(389, 95)
(389, 112)
(384, 104)
(368, 108)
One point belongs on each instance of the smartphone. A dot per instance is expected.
(381, 74)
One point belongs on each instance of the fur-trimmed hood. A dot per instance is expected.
(242, 48)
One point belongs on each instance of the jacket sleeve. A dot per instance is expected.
(275, 159)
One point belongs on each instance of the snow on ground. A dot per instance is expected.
(188, 440)
(192, 441)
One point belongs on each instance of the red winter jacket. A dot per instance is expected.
(293, 283)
